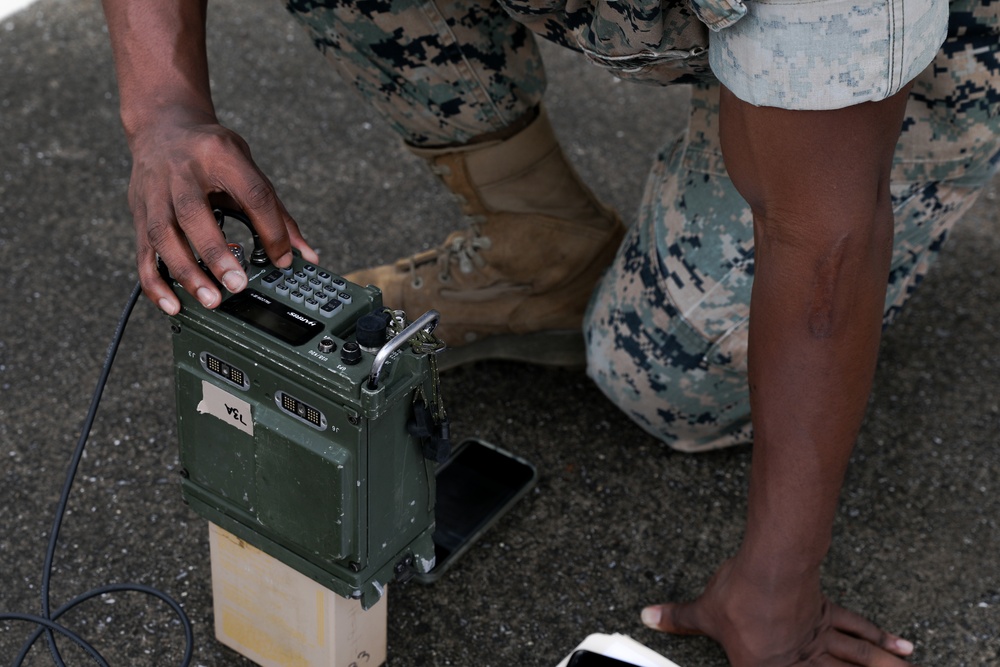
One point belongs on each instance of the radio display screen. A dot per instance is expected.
(271, 316)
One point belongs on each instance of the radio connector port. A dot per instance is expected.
(301, 411)
(227, 372)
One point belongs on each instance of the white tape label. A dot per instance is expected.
(230, 409)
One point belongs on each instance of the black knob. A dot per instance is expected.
(350, 353)
(371, 330)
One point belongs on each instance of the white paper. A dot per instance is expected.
(621, 647)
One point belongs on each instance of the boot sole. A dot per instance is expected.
(545, 348)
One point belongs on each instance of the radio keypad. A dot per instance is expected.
(315, 289)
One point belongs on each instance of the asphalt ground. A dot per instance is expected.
(616, 522)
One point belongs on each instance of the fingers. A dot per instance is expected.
(157, 238)
(172, 228)
(299, 243)
(255, 195)
(675, 618)
(262, 215)
(844, 640)
(856, 651)
(292, 239)
(153, 286)
(257, 198)
(860, 627)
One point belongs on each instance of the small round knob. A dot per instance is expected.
(350, 353)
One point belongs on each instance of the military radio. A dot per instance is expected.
(310, 423)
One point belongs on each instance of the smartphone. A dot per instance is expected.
(475, 487)
(584, 658)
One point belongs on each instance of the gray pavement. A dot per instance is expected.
(616, 522)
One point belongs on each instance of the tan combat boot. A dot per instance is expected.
(516, 283)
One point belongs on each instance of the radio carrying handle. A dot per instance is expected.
(425, 323)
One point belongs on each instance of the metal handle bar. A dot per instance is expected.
(425, 322)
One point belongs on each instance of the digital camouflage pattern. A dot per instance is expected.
(828, 54)
(667, 328)
(439, 72)
(650, 41)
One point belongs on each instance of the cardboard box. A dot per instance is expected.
(278, 617)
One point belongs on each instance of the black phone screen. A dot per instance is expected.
(583, 658)
(474, 488)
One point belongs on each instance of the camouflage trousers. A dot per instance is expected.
(667, 327)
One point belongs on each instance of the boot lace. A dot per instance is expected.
(462, 250)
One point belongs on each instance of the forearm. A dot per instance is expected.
(818, 185)
(814, 334)
(160, 59)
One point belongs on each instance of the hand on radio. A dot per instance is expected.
(182, 165)
(761, 621)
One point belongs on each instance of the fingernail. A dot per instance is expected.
(206, 296)
(167, 306)
(904, 646)
(234, 280)
(285, 260)
(651, 617)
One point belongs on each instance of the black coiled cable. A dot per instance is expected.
(47, 620)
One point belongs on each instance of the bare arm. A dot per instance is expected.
(183, 159)
(818, 185)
